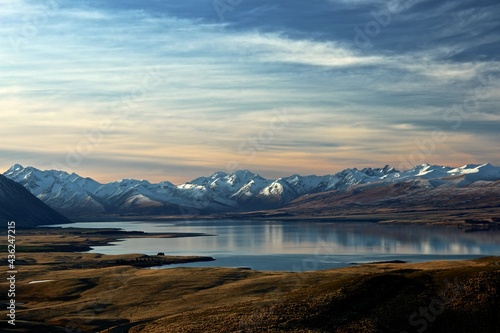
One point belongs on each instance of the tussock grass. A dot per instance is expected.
(88, 296)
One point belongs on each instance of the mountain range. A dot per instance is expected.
(244, 191)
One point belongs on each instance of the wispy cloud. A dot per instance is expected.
(219, 82)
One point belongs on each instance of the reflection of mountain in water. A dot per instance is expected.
(395, 239)
(311, 239)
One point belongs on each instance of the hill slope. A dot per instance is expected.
(452, 296)
(19, 205)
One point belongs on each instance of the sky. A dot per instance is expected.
(173, 90)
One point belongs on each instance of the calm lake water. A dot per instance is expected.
(301, 246)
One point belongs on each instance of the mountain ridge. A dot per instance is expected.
(241, 190)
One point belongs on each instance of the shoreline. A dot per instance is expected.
(81, 240)
(469, 220)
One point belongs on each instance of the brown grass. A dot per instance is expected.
(368, 298)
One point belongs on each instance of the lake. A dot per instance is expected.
(300, 246)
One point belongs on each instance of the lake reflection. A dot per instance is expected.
(303, 245)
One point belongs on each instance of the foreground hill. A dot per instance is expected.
(244, 191)
(70, 295)
(432, 297)
(19, 205)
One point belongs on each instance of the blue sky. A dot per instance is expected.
(177, 89)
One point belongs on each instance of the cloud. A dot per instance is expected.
(275, 48)
(175, 84)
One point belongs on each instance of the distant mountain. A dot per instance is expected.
(19, 205)
(423, 188)
(239, 191)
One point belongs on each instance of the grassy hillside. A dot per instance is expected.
(85, 292)
(432, 297)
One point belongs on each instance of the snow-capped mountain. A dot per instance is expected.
(223, 192)
(58, 189)
(425, 189)
(19, 205)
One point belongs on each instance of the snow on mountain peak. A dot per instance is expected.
(378, 172)
(426, 171)
(477, 172)
(276, 188)
(218, 174)
(242, 175)
(388, 169)
(15, 167)
(472, 168)
(241, 189)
